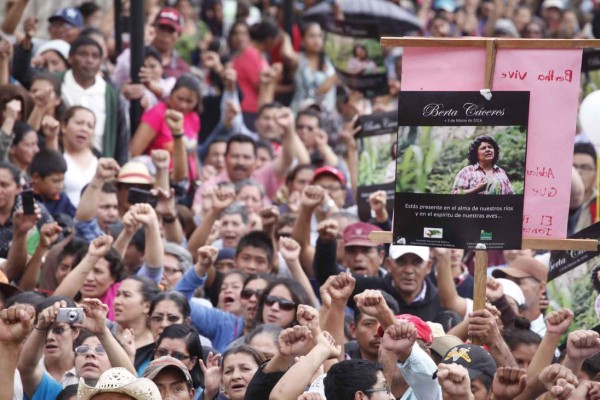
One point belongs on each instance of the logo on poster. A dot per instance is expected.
(433, 233)
(485, 235)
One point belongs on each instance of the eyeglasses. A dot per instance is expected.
(284, 304)
(307, 127)
(160, 318)
(171, 271)
(175, 354)
(84, 349)
(59, 330)
(385, 389)
(248, 293)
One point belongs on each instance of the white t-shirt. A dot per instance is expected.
(76, 178)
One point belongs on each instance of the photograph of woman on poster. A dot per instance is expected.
(482, 175)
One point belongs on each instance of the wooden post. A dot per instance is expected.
(481, 261)
(490, 62)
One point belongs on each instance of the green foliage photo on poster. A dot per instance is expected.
(429, 158)
(377, 159)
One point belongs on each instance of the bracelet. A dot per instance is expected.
(177, 135)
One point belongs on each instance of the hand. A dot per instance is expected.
(285, 119)
(494, 289)
(328, 230)
(289, 249)
(48, 315)
(132, 91)
(161, 158)
(211, 60)
(308, 316)
(207, 172)
(16, 323)
(24, 223)
(107, 169)
(207, 256)
(232, 109)
(587, 390)
(582, 344)
(310, 396)
(222, 198)
(95, 316)
(371, 303)
(312, 196)
(45, 99)
(455, 382)
(321, 139)
(100, 246)
(13, 107)
(377, 201)
(212, 374)
(558, 322)
(174, 121)
(146, 77)
(509, 382)
(399, 338)
(230, 79)
(30, 26)
(553, 372)
(269, 216)
(166, 201)
(144, 214)
(338, 289)
(561, 390)
(326, 342)
(127, 340)
(6, 50)
(482, 326)
(295, 341)
(348, 134)
(50, 127)
(130, 224)
(254, 222)
(49, 233)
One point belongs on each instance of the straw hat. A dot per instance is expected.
(119, 380)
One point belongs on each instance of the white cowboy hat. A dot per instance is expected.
(119, 380)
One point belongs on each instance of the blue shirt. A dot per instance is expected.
(48, 389)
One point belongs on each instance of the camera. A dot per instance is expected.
(70, 315)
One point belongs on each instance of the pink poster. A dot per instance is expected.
(552, 77)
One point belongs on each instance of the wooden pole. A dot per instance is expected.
(490, 62)
(481, 262)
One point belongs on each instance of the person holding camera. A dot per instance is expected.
(95, 348)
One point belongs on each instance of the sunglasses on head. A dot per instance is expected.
(248, 293)
(284, 304)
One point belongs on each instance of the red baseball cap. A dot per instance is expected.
(423, 330)
(170, 17)
(357, 234)
(329, 170)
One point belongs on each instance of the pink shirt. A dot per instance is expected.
(155, 118)
(109, 299)
(248, 65)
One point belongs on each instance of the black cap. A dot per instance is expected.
(478, 362)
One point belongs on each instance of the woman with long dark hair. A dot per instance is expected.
(482, 175)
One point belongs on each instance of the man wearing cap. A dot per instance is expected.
(361, 255)
(168, 25)
(479, 364)
(531, 276)
(172, 378)
(65, 24)
(407, 281)
(551, 13)
(334, 182)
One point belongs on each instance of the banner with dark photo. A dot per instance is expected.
(376, 159)
(461, 169)
(563, 261)
(590, 71)
(354, 50)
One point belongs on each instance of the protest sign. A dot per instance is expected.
(552, 77)
(377, 150)
(562, 261)
(460, 169)
(354, 50)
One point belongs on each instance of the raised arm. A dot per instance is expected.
(310, 199)
(71, 284)
(145, 215)
(106, 171)
(48, 235)
(509, 382)
(292, 146)
(95, 322)
(174, 120)
(16, 323)
(482, 326)
(335, 294)
(17, 253)
(581, 344)
(290, 250)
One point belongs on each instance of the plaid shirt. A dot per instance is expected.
(473, 175)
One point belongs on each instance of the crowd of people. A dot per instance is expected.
(213, 249)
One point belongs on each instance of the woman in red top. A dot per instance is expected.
(248, 63)
(153, 131)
